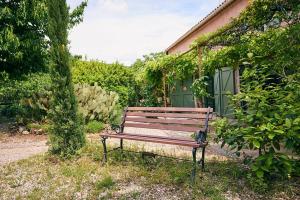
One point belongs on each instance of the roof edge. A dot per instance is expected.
(208, 17)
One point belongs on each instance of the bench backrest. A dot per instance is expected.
(167, 118)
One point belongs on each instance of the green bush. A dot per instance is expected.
(94, 127)
(111, 77)
(27, 97)
(267, 108)
(97, 104)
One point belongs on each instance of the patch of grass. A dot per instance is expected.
(106, 182)
(35, 194)
(93, 150)
(44, 126)
(78, 171)
(94, 127)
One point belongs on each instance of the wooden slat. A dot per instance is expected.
(170, 109)
(165, 121)
(171, 115)
(155, 140)
(159, 137)
(163, 127)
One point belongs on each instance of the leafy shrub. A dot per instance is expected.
(97, 104)
(26, 97)
(94, 127)
(111, 77)
(267, 108)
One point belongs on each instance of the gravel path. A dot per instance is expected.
(13, 148)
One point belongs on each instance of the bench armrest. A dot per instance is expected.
(201, 136)
(116, 128)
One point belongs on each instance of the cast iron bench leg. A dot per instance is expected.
(104, 149)
(194, 151)
(121, 144)
(202, 158)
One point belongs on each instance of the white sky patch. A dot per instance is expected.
(114, 5)
(113, 31)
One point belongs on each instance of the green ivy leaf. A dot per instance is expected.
(288, 123)
(269, 161)
(250, 55)
(256, 143)
(271, 136)
(260, 173)
(278, 131)
(296, 121)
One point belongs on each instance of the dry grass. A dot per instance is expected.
(128, 176)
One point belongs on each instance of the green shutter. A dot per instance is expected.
(217, 92)
(224, 87)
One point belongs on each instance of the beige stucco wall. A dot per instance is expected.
(219, 20)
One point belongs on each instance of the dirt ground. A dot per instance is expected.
(15, 147)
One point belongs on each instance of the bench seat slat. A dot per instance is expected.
(158, 136)
(170, 115)
(165, 121)
(163, 127)
(154, 140)
(169, 109)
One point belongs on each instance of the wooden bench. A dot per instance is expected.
(192, 120)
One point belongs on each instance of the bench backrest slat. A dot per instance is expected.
(167, 118)
(165, 121)
(170, 115)
(170, 109)
(163, 127)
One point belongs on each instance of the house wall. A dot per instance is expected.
(219, 20)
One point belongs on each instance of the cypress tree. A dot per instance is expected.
(66, 135)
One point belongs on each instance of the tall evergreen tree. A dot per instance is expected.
(66, 135)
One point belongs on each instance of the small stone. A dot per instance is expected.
(21, 129)
(32, 131)
(102, 195)
(25, 132)
(39, 132)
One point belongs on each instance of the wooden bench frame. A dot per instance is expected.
(165, 118)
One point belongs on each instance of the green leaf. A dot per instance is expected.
(250, 55)
(271, 136)
(269, 161)
(288, 123)
(254, 168)
(279, 131)
(296, 121)
(256, 143)
(260, 173)
(277, 116)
